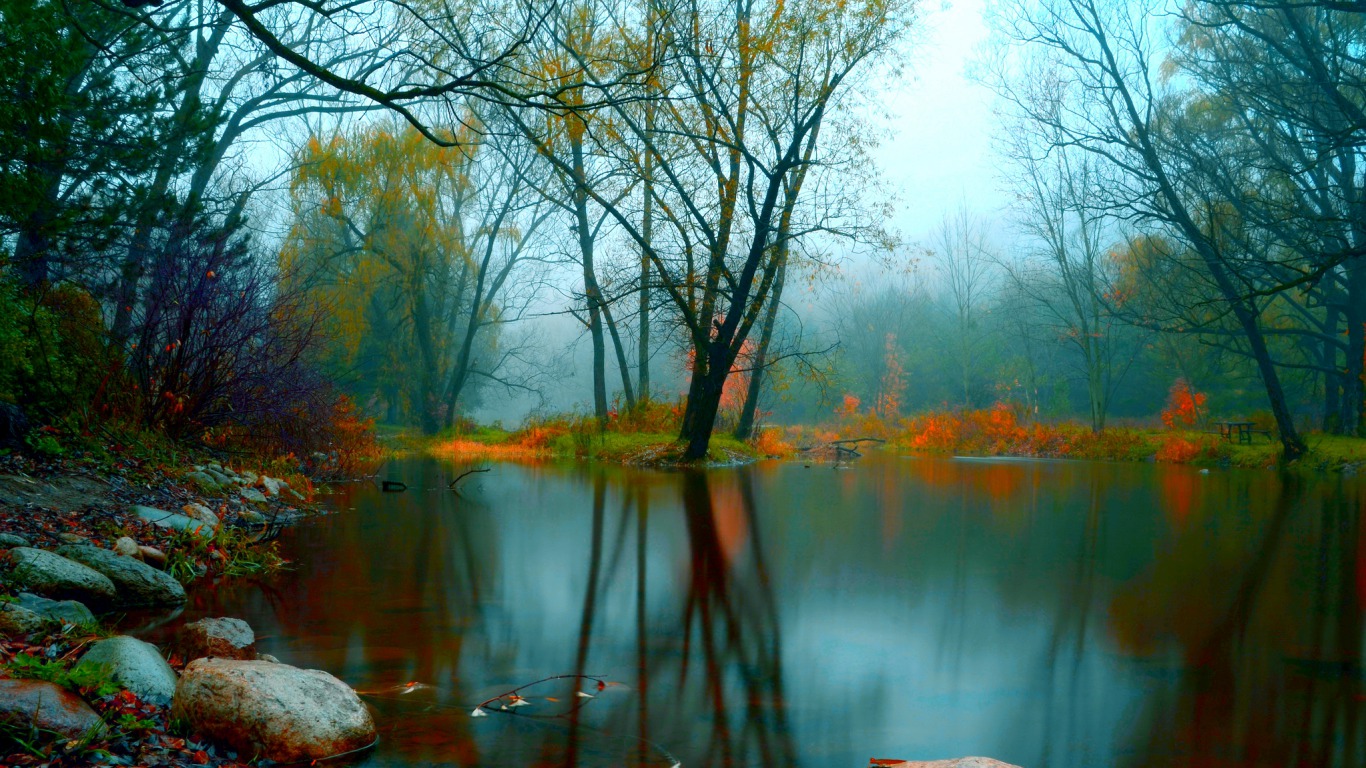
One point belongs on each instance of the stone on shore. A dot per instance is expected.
(65, 611)
(8, 540)
(135, 665)
(223, 638)
(16, 620)
(51, 575)
(136, 582)
(201, 513)
(272, 711)
(48, 707)
(251, 494)
(206, 482)
(126, 547)
(152, 556)
(271, 485)
(172, 520)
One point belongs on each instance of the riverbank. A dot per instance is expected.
(90, 529)
(986, 432)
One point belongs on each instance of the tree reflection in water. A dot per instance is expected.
(1061, 613)
(1269, 635)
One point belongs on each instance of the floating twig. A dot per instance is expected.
(463, 475)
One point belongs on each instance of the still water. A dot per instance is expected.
(1043, 613)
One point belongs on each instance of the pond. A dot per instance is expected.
(1042, 613)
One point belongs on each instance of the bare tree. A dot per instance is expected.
(1069, 270)
(965, 260)
(1086, 72)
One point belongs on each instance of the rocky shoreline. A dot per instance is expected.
(77, 543)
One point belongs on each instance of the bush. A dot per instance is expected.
(53, 358)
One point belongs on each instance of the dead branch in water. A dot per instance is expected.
(462, 476)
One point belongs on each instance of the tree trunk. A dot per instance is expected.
(704, 401)
(1328, 361)
(622, 365)
(1354, 388)
(592, 294)
(647, 234)
(745, 429)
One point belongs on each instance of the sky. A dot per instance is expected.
(938, 150)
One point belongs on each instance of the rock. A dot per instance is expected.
(201, 513)
(16, 620)
(222, 638)
(171, 520)
(8, 540)
(249, 478)
(267, 657)
(135, 665)
(71, 538)
(206, 482)
(54, 576)
(153, 556)
(296, 494)
(272, 711)
(271, 485)
(14, 425)
(48, 707)
(955, 763)
(218, 476)
(127, 548)
(65, 611)
(252, 516)
(136, 582)
(251, 494)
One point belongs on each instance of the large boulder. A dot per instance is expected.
(222, 638)
(172, 520)
(8, 540)
(135, 665)
(16, 620)
(136, 582)
(54, 576)
(272, 711)
(48, 707)
(65, 611)
(954, 763)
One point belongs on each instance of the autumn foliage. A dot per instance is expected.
(1185, 407)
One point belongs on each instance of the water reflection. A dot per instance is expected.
(1046, 613)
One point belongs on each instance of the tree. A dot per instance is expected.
(1086, 74)
(748, 88)
(407, 242)
(1069, 271)
(965, 260)
(76, 134)
(1277, 90)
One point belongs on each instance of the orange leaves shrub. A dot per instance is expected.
(1183, 449)
(648, 417)
(1185, 406)
(936, 432)
(997, 431)
(772, 442)
(990, 430)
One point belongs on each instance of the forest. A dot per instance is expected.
(652, 383)
(270, 224)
